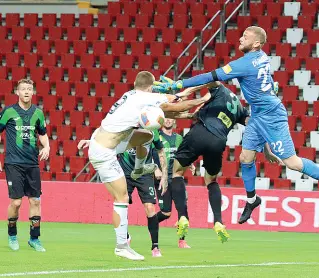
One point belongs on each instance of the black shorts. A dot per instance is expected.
(145, 188)
(165, 201)
(23, 181)
(199, 141)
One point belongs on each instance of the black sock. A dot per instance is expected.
(35, 227)
(215, 200)
(12, 226)
(127, 236)
(161, 216)
(179, 196)
(251, 194)
(152, 223)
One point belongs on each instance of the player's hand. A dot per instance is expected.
(276, 87)
(272, 158)
(158, 174)
(44, 153)
(163, 185)
(166, 84)
(83, 144)
(192, 168)
(207, 97)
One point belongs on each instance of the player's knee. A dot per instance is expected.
(148, 138)
(16, 203)
(34, 202)
(246, 157)
(294, 163)
(149, 209)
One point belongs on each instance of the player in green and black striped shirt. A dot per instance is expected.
(171, 142)
(23, 122)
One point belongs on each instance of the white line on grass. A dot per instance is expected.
(151, 268)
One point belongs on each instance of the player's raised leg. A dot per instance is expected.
(142, 150)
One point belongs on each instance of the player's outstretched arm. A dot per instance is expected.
(179, 115)
(45, 152)
(83, 144)
(184, 105)
(164, 179)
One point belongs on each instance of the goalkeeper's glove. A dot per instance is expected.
(166, 84)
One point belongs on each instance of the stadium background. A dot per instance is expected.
(84, 58)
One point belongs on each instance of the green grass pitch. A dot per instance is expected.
(85, 250)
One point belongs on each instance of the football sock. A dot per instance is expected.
(249, 176)
(120, 209)
(140, 158)
(161, 216)
(310, 168)
(152, 223)
(215, 200)
(12, 226)
(179, 196)
(35, 227)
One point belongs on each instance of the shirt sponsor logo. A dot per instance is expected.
(24, 127)
(227, 69)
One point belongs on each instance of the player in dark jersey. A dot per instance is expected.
(208, 138)
(171, 142)
(23, 122)
(145, 188)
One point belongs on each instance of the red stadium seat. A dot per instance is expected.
(3, 32)
(147, 9)
(257, 9)
(104, 20)
(75, 74)
(30, 20)
(56, 163)
(308, 8)
(312, 64)
(30, 60)
(265, 22)
(64, 132)
(67, 20)
(274, 35)
(87, 60)
(83, 132)
(56, 117)
(6, 46)
(67, 60)
(6, 86)
(44, 47)
(272, 171)
(106, 61)
(180, 21)
(130, 34)
(282, 183)
(197, 8)
(85, 20)
(62, 88)
(299, 107)
(142, 20)
(49, 59)
(99, 47)
(307, 152)
(25, 46)
(123, 20)
(42, 87)
(94, 74)
(48, 20)
(130, 8)
(76, 118)
(211, 63)
(127, 61)
(275, 9)
(55, 33)
(282, 77)
(305, 21)
(163, 8)
(222, 49)
(77, 164)
(198, 21)
(285, 22)
(283, 49)
(149, 34)
(157, 48)
(236, 182)
(18, 73)
(164, 62)
(74, 33)
(80, 47)
(92, 34)
(12, 59)
(55, 74)
(114, 75)
(68, 102)
(303, 50)
(309, 123)
(102, 89)
(49, 102)
(95, 118)
(316, 107)
(12, 19)
(114, 8)
(243, 22)
(298, 137)
(37, 33)
(312, 36)
(89, 103)
(69, 148)
(63, 176)
(292, 120)
(111, 33)
(195, 181)
(82, 88)
(118, 48)
(290, 93)
(3, 72)
(230, 168)
(161, 21)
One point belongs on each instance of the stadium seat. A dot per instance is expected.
(299, 138)
(294, 35)
(163, 8)
(67, 20)
(161, 21)
(312, 36)
(123, 20)
(314, 140)
(12, 19)
(304, 185)
(101, 89)
(62, 88)
(222, 49)
(49, 102)
(42, 87)
(95, 118)
(130, 34)
(30, 20)
(283, 49)
(48, 20)
(234, 138)
(18, 73)
(6, 86)
(85, 20)
(118, 48)
(63, 176)
(308, 8)
(233, 36)
(305, 22)
(292, 9)
(56, 117)
(43, 47)
(149, 34)
(75, 74)
(274, 9)
(94, 74)
(12, 59)
(92, 34)
(99, 47)
(303, 50)
(274, 36)
(87, 60)
(302, 78)
(64, 132)
(30, 60)
(272, 171)
(81, 88)
(69, 148)
(292, 64)
(142, 20)
(83, 132)
(68, 102)
(311, 93)
(230, 168)
(309, 123)
(312, 64)
(3, 32)
(111, 34)
(56, 163)
(79, 47)
(55, 74)
(307, 152)
(25, 46)
(275, 62)
(290, 93)
(282, 183)
(3, 72)
(180, 21)
(67, 60)
(236, 182)
(114, 75)
(257, 10)
(195, 181)
(292, 121)
(211, 63)
(73, 33)
(262, 183)
(284, 22)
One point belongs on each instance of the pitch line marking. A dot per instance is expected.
(151, 268)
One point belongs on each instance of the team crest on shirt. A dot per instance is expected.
(227, 69)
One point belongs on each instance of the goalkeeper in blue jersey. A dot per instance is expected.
(268, 122)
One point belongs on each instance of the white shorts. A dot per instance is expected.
(105, 162)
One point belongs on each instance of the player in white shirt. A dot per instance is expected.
(119, 132)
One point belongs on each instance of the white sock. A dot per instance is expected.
(251, 200)
(121, 231)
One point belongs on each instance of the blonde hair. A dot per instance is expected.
(260, 34)
(144, 80)
(25, 81)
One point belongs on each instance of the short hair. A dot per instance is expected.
(25, 81)
(259, 32)
(144, 80)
